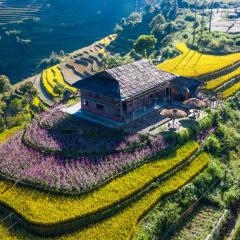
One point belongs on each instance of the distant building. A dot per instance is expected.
(124, 92)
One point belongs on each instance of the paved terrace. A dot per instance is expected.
(150, 121)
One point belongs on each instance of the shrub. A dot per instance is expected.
(213, 145)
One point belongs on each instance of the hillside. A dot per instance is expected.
(52, 25)
(134, 136)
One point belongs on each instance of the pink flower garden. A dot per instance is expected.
(73, 174)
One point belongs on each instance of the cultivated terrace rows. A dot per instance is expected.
(14, 12)
(121, 192)
(199, 224)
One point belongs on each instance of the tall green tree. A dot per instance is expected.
(5, 84)
(117, 60)
(28, 90)
(15, 106)
(145, 43)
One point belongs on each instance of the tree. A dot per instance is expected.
(28, 90)
(59, 89)
(144, 43)
(15, 106)
(117, 60)
(2, 108)
(173, 10)
(5, 84)
(157, 21)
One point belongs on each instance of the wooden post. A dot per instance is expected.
(210, 24)
(194, 27)
(121, 110)
(203, 12)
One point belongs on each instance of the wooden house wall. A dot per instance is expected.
(111, 108)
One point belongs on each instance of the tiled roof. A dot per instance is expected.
(137, 77)
(126, 81)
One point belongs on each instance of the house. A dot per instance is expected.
(123, 92)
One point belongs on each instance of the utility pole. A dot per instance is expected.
(195, 22)
(203, 15)
(210, 24)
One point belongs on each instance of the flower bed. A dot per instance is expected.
(80, 141)
(194, 64)
(68, 174)
(103, 198)
(69, 123)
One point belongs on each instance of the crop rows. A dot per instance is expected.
(123, 225)
(194, 64)
(65, 208)
(52, 77)
(190, 63)
(217, 82)
(16, 12)
(230, 91)
(199, 225)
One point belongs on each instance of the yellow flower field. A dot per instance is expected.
(214, 83)
(53, 76)
(8, 133)
(107, 40)
(193, 64)
(6, 235)
(36, 102)
(124, 224)
(46, 84)
(230, 91)
(42, 208)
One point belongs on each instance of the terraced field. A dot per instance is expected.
(124, 224)
(77, 65)
(191, 63)
(221, 74)
(20, 10)
(199, 224)
(113, 211)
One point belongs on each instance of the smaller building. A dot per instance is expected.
(122, 93)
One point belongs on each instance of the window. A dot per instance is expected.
(85, 102)
(151, 96)
(100, 107)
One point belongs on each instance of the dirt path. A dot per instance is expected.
(43, 95)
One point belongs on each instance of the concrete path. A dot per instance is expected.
(73, 109)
